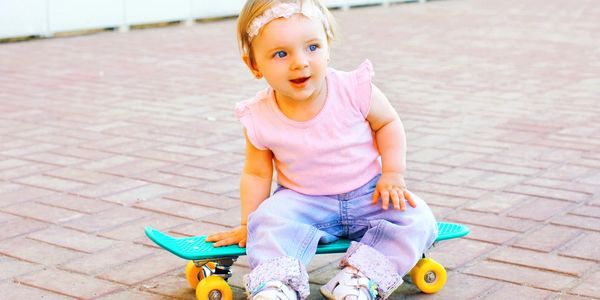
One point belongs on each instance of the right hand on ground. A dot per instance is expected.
(234, 236)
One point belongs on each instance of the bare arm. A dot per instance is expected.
(255, 184)
(255, 187)
(391, 141)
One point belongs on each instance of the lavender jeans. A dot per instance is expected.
(284, 231)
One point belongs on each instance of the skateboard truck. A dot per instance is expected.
(220, 267)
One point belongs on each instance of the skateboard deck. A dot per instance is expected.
(196, 247)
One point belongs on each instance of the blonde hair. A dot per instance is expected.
(255, 8)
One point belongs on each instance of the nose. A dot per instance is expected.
(300, 61)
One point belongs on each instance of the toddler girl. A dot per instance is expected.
(338, 147)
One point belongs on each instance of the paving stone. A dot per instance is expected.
(492, 220)
(503, 168)
(204, 199)
(542, 261)
(139, 271)
(30, 251)
(230, 217)
(456, 191)
(461, 286)
(455, 254)
(75, 174)
(221, 187)
(25, 170)
(547, 238)
(496, 202)
(532, 277)
(177, 209)
(459, 159)
(563, 185)
(548, 193)
(442, 200)
(19, 227)
(41, 212)
(171, 284)
(133, 294)
(577, 222)
(12, 267)
(458, 176)
(5, 218)
(589, 287)
(139, 194)
(134, 230)
(586, 211)
(108, 188)
(76, 203)
(51, 183)
(82, 153)
(72, 239)
(15, 290)
(567, 172)
(66, 283)
(512, 291)
(540, 209)
(137, 166)
(53, 159)
(491, 235)
(22, 194)
(116, 255)
(199, 228)
(107, 219)
(496, 182)
(584, 247)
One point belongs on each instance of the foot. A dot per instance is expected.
(274, 290)
(350, 284)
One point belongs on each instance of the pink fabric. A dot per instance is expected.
(332, 153)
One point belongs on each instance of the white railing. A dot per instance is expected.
(22, 18)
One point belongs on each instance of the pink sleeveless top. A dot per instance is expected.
(332, 153)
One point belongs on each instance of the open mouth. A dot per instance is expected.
(300, 80)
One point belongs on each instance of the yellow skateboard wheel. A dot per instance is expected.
(195, 274)
(213, 288)
(428, 275)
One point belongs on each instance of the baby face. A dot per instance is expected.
(292, 53)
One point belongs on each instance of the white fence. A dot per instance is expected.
(22, 18)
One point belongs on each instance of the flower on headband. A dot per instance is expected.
(285, 10)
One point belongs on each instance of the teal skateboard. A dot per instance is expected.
(209, 267)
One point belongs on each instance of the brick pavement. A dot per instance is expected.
(103, 134)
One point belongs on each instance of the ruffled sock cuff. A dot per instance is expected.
(286, 269)
(375, 266)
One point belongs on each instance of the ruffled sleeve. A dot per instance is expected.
(243, 112)
(363, 76)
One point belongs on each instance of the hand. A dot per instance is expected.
(391, 186)
(237, 235)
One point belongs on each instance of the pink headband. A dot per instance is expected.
(286, 10)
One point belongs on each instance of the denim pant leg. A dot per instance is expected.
(283, 238)
(391, 243)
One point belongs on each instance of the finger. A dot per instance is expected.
(213, 237)
(225, 242)
(395, 199)
(402, 201)
(385, 199)
(375, 197)
(409, 199)
(242, 243)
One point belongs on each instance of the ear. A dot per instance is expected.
(252, 67)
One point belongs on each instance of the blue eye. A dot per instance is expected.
(313, 47)
(280, 54)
